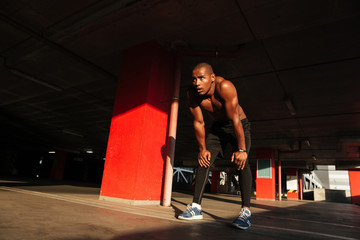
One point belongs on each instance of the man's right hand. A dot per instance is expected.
(204, 158)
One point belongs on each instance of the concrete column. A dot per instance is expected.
(265, 174)
(136, 151)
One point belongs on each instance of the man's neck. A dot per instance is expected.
(211, 91)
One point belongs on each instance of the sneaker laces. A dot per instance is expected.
(243, 215)
(189, 208)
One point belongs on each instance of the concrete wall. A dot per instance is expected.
(329, 195)
(332, 178)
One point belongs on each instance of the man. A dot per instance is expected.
(218, 97)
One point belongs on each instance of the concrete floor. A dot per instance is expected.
(58, 211)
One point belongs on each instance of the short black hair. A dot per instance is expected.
(206, 65)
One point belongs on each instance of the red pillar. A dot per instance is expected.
(292, 183)
(136, 151)
(354, 179)
(57, 170)
(265, 174)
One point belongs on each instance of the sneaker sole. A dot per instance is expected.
(192, 218)
(237, 226)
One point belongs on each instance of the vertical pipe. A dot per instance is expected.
(169, 164)
(279, 176)
(300, 184)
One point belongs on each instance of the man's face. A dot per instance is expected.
(202, 80)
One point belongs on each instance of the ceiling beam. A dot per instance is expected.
(57, 47)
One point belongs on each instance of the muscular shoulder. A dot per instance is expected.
(224, 87)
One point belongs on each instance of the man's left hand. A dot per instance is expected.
(239, 158)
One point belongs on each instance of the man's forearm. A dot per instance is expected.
(200, 134)
(239, 133)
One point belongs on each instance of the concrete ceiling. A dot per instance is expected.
(60, 61)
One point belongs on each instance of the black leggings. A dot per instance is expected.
(220, 135)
